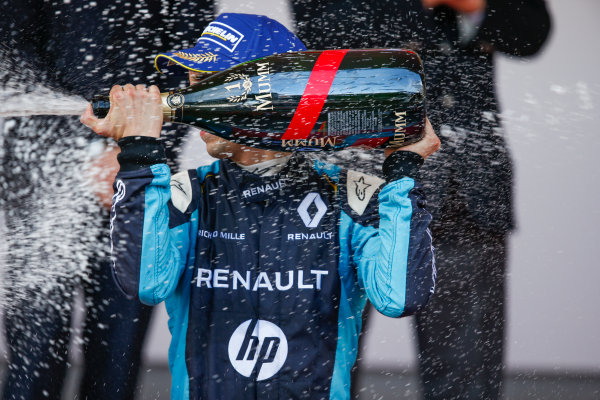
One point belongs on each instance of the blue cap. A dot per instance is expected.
(229, 40)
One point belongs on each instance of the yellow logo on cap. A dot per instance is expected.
(199, 58)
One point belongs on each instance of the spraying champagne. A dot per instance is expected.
(311, 100)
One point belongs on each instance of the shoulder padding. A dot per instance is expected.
(360, 188)
(181, 190)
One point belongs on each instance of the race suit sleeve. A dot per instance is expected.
(149, 231)
(391, 242)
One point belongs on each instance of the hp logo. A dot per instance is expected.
(258, 349)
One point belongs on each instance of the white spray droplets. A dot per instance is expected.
(54, 224)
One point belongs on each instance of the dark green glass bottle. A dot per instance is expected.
(311, 100)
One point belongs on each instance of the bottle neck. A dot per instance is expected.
(168, 111)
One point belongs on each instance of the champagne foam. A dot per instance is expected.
(39, 101)
(51, 222)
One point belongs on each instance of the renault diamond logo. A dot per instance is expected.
(303, 209)
(258, 349)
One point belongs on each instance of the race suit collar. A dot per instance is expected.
(296, 172)
(267, 168)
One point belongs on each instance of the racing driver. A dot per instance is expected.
(264, 259)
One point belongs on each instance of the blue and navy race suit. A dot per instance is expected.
(265, 278)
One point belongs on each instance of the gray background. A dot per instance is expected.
(550, 109)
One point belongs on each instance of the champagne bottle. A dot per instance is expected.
(310, 100)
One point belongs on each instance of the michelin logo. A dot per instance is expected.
(223, 35)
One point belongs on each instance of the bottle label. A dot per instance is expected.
(238, 91)
(354, 122)
(264, 96)
(399, 129)
(314, 96)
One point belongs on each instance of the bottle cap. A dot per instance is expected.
(100, 105)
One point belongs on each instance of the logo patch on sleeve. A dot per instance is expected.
(360, 188)
(181, 191)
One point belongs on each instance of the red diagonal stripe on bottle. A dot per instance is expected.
(315, 93)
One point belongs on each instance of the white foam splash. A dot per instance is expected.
(53, 220)
(39, 101)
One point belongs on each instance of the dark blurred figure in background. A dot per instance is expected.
(56, 230)
(469, 181)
